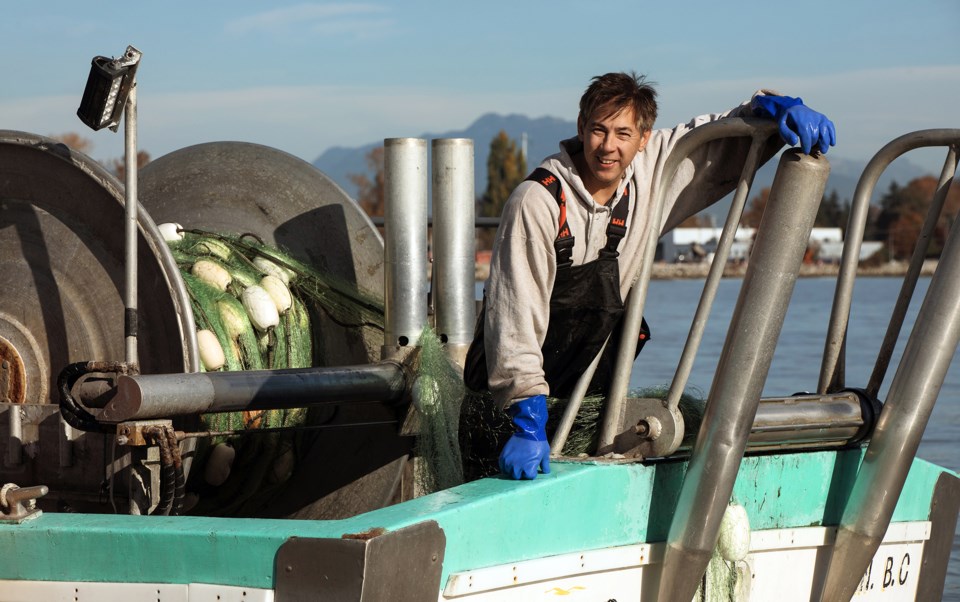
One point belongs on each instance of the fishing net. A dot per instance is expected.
(262, 463)
(485, 429)
(438, 394)
(460, 432)
(724, 581)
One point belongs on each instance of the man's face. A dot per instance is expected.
(610, 142)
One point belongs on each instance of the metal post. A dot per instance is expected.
(913, 274)
(633, 317)
(130, 230)
(831, 369)
(782, 238)
(699, 324)
(14, 436)
(454, 245)
(905, 414)
(405, 243)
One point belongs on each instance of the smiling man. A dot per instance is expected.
(572, 235)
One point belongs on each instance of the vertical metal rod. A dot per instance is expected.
(831, 368)
(913, 274)
(405, 243)
(710, 287)
(15, 435)
(570, 411)
(782, 239)
(454, 245)
(895, 440)
(633, 317)
(130, 230)
(67, 436)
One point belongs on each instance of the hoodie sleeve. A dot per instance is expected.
(712, 170)
(522, 271)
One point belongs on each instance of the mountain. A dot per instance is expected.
(543, 135)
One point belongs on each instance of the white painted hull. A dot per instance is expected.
(783, 565)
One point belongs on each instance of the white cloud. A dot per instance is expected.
(870, 108)
(326, 18)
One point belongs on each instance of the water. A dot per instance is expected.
(671, 305)
(669, 310)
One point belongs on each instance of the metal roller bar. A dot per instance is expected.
(816, 421)
(454, 246)
(831, 370)
(782, 238)
(148, 397)
(405, 244)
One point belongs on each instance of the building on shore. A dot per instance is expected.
(682, 245)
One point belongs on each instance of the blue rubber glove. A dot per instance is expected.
(527, 449)
(798, 122)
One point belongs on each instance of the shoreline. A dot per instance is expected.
(678, 271)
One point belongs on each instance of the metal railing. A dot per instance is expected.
(919, 377)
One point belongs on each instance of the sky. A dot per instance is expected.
(307, 76)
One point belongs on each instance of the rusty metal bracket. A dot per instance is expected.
(18, 504)
(141, 433)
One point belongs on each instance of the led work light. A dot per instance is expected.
(108, 86)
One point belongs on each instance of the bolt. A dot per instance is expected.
(122, 440)
(642, 428)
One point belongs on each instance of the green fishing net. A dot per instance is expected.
(460, 432)
(262, 463)
(484, 428)
(438, 394)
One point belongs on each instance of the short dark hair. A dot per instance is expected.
(613, 92)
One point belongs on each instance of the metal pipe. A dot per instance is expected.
(632, 320)
(699, 324)
(831, 369)
(894, 444)
(454, 245)
(14, 456)
(572, 408)
(147, 397)
(131, 231)
(67, 436)
(913, 273)
(782, 239)
(833, 420)
(405, 242)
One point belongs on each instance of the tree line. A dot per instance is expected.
(895, 220)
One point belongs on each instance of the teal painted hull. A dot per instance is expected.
(579, 506)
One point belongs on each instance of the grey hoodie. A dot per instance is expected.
(523, 264)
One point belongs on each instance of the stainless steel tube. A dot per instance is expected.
(912, 395)
(913, 274)
(405, 242)
(131, 231)
(638, 293)
(454, 245)
(781, 240)
(831, 369)
(147, 397)
(709, 294)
